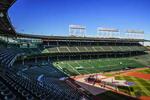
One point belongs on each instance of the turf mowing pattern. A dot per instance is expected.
(146, 71)
(141, 85)
(77, 67)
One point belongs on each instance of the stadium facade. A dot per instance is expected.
(17, 50)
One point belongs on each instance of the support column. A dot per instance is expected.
(57, 43)
(130, 54)
(35, 59)
(57, 58)
(48, 44)
(115, 55)
(23, 61)
(90, 56)
(69, 57)
(107, 55)
(7, 41)
(48, 59)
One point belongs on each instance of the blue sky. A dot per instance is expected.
(52, 17)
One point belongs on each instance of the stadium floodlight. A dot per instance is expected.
(108, 29)
(135, 34)
(77, 30)
(108, 32)
(135, 31)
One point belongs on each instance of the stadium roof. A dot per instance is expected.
(5, 24)
(77, 38)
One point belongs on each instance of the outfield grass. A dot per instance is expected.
(141, 85)
(77, 67)
(146, 71)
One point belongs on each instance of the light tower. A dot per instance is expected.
(135, 34)
(77, 30)
(108, 32)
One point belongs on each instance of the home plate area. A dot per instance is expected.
(97, 83)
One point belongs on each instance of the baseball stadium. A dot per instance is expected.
(74, 67)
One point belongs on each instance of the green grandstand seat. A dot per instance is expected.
(89, 49)
(53, 50)
(73, 49)
(82, 49)
(68, 49)
(63, 49)
(106, 48)
(116, 48)
(98, 48)
(124, 48)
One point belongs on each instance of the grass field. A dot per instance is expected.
(146, 71)
(78, 67)
(141, 85)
